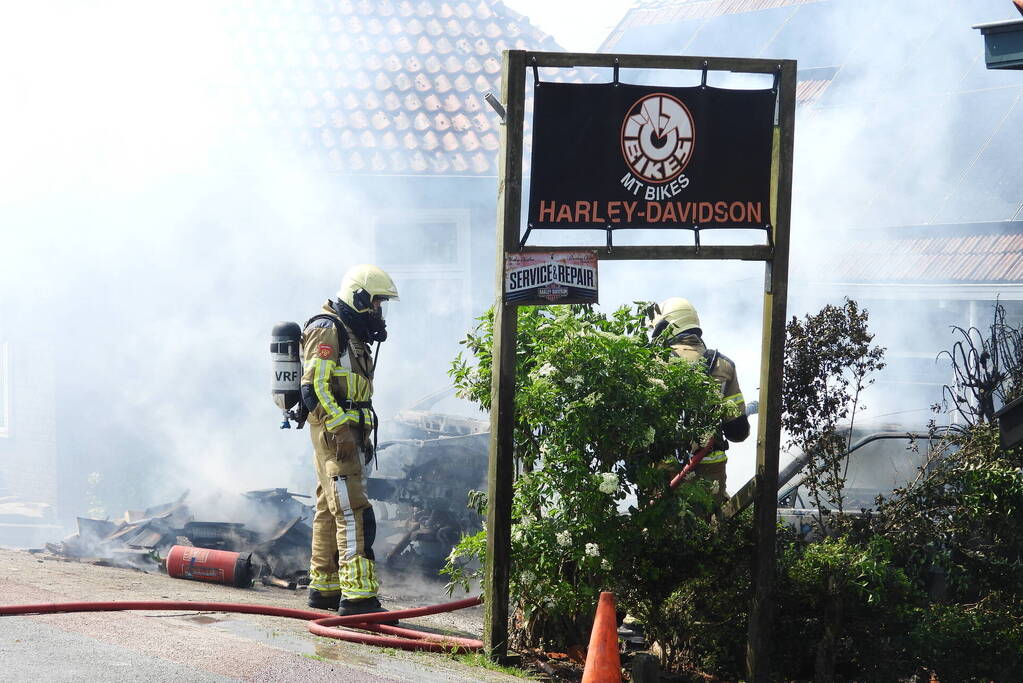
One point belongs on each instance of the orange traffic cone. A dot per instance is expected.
(602, 662)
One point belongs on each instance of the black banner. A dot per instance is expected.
(631, 156)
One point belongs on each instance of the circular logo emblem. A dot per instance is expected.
(658, 135)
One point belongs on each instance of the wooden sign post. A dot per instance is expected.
(774, 254)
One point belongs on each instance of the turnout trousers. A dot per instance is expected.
(714, 472)
(344, 525)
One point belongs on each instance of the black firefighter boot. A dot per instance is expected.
(321, 600)
(363, 606)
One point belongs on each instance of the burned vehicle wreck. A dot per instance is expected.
(420, 491)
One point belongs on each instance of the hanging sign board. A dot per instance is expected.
(614, 155)
(554, 277)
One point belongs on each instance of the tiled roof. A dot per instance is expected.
(383, 86)
(985, 254)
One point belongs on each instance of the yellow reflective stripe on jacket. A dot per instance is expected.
(356, 388)
(323, 369)
(734, 398)
(347, 416)
(714, 458)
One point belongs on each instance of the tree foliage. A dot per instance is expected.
(602, 418)
(929, 582)
(829, 359)
(988, 370)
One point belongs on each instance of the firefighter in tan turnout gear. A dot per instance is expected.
(678, 326)
(337, 385)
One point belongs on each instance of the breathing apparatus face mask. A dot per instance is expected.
(376, 320)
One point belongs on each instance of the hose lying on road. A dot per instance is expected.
(394, 636)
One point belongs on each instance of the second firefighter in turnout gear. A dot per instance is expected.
(337, 388)
(677, 325)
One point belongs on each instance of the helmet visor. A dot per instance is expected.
(380, 305)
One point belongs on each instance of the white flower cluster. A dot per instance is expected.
(593, 550)
(563, 538)
(648, 437)
(715, 487)
(658, 382)
(527, 577)
(516, 534)
(608, 483)
(576, 381)
(546, 370)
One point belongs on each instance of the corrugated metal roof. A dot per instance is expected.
(991, 253)
(809, 90)
(382, 86)
(907, 126)
(666, 11)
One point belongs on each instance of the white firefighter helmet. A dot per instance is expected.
(364, 283)
(674, 316)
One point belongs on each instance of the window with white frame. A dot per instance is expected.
(427, 251)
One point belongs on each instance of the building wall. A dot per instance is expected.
(916, 325)
(436, 237)
(28, 434)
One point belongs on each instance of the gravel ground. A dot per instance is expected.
(199, 646)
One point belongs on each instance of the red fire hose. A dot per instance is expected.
(396, 637)
(694, 460)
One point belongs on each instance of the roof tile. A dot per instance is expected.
(480, 163)
(452, 103)
(382, 85)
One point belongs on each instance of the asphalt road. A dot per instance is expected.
(186, 645)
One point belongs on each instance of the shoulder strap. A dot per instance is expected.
(342, 333)
(711, 356)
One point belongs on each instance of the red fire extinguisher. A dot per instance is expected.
(205, 564)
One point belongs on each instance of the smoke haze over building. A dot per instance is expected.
(157, 219)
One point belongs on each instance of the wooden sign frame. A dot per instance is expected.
(762, 489)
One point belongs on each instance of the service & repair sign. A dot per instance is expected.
(554, 277)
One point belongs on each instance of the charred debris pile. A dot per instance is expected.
(277, 536)
(419, 486)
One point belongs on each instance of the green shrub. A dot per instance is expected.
(601, 415)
